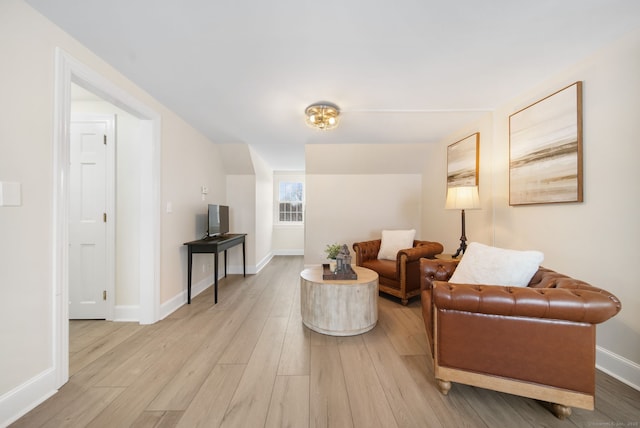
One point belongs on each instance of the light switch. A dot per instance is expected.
(205, 190)
(10, 194)
(169, 207)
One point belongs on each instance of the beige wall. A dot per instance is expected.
(27, 46)
(241, 198)
(263, 209)
(595, 240)
(344, 209)
(189, 161)
(445, 225)
(250, 200)
(354, 191)
(249, 185)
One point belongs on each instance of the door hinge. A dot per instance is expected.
(104, 295)
(104, 217)
(105, 139)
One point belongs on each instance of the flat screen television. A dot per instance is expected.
(218, 220)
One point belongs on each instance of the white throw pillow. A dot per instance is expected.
(394, 241)
(483, 264)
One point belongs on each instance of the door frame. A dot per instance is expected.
(67, 70)
(110, 202)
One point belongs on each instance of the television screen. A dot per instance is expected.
(218, 220)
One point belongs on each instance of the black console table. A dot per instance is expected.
(215, 245)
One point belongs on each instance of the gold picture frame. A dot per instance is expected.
(545, 150)
(463, 162)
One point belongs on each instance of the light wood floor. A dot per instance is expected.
(249, 362)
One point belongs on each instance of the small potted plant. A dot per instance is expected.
(332, 251)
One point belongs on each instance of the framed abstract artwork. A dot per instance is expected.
(462, 162)
(545, 150)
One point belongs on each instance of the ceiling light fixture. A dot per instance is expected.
(322, 115)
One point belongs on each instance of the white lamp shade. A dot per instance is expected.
(462, 198)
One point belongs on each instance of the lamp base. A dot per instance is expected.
(463, 239)
(461, 249)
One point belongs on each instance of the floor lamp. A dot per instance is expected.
(462, 198)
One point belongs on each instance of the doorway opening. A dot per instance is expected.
(69, 71)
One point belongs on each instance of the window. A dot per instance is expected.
(290, 202)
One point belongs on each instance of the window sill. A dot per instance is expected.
(288, 225)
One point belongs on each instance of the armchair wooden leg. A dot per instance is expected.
(444, 386)
(560, 410)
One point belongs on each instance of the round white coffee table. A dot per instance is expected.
(339, 307)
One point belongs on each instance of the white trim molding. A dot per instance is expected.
(126, 313)
(294, 252)
(68, 70)
(616, 366)
(180, 299)
(23, 398)
(255, 269)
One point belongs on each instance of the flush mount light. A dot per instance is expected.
(322, 115)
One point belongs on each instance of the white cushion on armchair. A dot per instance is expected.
(394, 241)
(482, 264)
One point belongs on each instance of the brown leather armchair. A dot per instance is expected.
(536, 341)
(400, 277)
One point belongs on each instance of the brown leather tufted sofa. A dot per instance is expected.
(536, 341)
(400, 277)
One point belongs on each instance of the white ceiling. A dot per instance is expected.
(407, 71)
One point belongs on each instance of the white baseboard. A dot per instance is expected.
(251, 270)
(24, 398)
(626, 371)
(173, 304)
(127, 313)
(237, 270)
(266, 259)
(289, 252)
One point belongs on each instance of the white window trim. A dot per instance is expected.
(288, 224)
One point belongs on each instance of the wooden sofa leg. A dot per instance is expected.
(444, 386)
(560, 410)
(404, 301)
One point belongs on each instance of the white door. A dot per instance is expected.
(88, 216)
